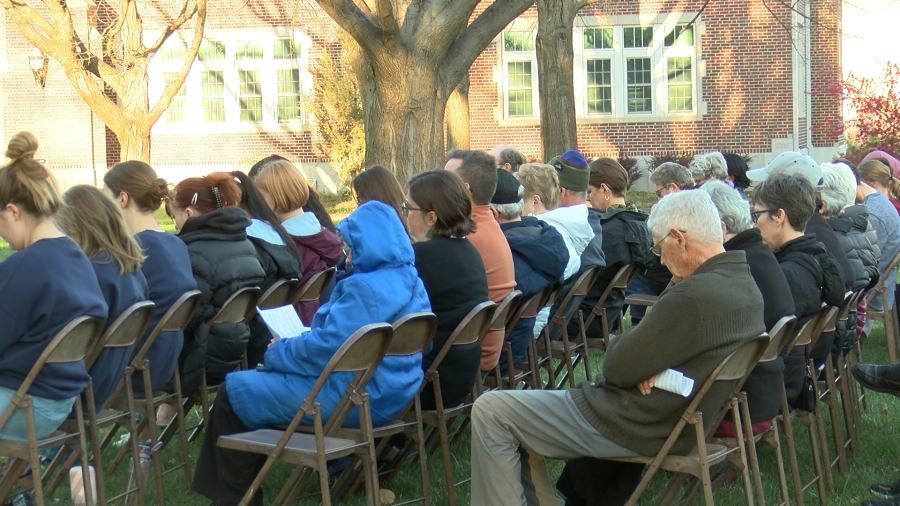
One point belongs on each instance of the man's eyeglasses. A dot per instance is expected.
(657, 248)
(659, 193)
(754, 215)
(406, 208)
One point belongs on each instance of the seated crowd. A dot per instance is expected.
(725, 270)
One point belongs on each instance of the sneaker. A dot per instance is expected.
(886, 489)
(890, 501)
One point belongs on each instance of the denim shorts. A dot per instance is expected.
(49, 414)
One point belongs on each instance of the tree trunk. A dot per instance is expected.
(555, 59)
(404, 105)
(458, 116)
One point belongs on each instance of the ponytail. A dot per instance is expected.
(25, 181)
(895, 188)
(256, 207)
(208, 193)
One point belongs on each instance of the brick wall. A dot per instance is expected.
(825, 67)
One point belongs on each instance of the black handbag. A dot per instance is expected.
(806, 401)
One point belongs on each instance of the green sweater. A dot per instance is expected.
(694, 325)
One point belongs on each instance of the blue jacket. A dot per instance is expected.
(382, 287)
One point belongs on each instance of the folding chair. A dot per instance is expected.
(620, 281)
(810, 331)
(732, 372)
(314, 286)
(239, 308)
(887, 315)
(70, 344)
(125, 331)
(778, 338)
(279, 294)
(472, 328)
(176, 318)
(565, 349)
(526, 372)
(361, 354)
(506, 312)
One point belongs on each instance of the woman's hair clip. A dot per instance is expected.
(218, 196)
(194, 199)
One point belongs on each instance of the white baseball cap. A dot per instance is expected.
(789, 162)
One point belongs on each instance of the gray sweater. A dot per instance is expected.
(695, 324)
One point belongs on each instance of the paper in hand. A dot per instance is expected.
(282, 321)
(673, 381)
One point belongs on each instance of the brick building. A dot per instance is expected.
(645, 82)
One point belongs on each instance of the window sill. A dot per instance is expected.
(229, 128)
(640, 118)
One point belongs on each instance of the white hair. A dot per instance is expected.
(709, 166)
(834, 192)
(690, 211)
(733, 210)
(510, 211)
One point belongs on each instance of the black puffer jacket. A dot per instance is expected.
(626, 239)
(857, 237)
(814, 277)
(223, 261)
(278, 262)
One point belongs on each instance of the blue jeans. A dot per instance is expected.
(49, 414)
(638, 287)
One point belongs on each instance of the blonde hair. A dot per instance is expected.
(25, 182)
(875, 171)
(285, 183)
(94, 221)
(540, 179)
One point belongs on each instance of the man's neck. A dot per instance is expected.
(501, 220)
(571, 202)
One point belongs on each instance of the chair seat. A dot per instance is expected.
(640, 299)
(560, 347)
(104, 418)
(264, 441)
(20, 448)
(715, 453)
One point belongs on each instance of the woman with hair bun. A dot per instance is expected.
(93, 220)
(138, 192)
(223, 260)
(284, 188)
(46, 284)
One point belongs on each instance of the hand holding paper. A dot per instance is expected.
(283, 321)
(676, 382)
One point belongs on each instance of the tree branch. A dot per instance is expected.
(385, 12)
(169, 92)
(28, 20)
(183, 17)
(472, 41)
(351, 17)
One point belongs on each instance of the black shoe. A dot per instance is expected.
(886, 489)
(891, 501)
(875, 377)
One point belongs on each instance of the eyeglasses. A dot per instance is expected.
(657, 248)
(405, 207)
(754, 215)
(659, 192)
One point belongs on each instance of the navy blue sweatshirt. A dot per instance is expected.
(169, 276)
(121, 291)
(42, 288)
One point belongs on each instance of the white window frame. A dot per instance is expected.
(268, 67)
(507, 57)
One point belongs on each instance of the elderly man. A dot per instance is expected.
(621, 414)
(477, 170)
(669, 177)
(508, 158)
(763, 387)
(539, 253)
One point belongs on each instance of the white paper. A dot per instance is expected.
(282, 321)
(673, 381)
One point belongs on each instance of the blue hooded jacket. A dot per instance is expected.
(382, 287)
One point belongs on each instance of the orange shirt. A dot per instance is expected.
(490, 242)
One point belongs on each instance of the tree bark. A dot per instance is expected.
(555, 59)
(458, 117)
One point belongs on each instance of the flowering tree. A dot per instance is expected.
(875, 107)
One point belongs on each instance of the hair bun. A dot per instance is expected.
(159, 190)
(22, 145)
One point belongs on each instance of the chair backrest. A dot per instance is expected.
(506, 310)
(176, 318)
(314, 286)
(279, 294)
(881, 287)
(810, 330)
(620, 281)
(531, 307)
(778, 337)
(126, 330)
(413, 333)
(240, 307)
(472, 328)
(579, 289)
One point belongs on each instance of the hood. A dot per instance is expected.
(261, 230)
(376, 238)
(540, 245)
(894, 163)
(226, 224)
(810, 253)
(574, 220)
(629, 213)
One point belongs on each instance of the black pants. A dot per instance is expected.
(588, 481)
(225, 475)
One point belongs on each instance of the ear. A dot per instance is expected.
(724, 230)
(123, 199)
(468, 188)
(189, 212)
(431, 218)
(14, 211)
(678, 235)
(780, 217)
(536, 200)
(494, 213)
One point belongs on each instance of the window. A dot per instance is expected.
(213, 96)
(249, 50)
(640, 93)
(519, 74)
(679, 84)
(599, 86)
(638, 36)
(175, 113)
(520, 88)
(242, 80)
(518, 41)
(289, 99)
(680, 35)
(598, 38)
